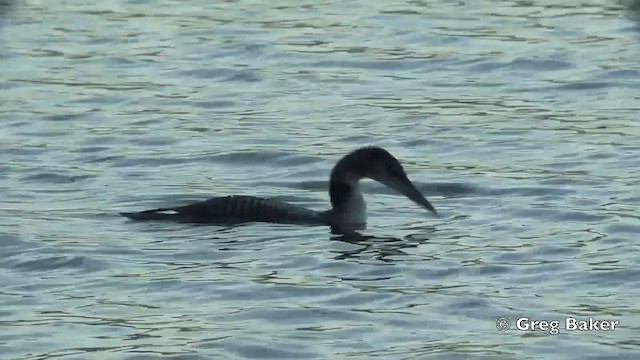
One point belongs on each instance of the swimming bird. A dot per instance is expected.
(348, 209)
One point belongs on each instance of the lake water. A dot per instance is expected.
(518, 120)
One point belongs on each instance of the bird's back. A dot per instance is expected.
(235, 209)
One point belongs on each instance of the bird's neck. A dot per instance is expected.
(348, 206)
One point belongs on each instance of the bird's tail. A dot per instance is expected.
(153, 214)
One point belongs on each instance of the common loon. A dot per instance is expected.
(348, 212)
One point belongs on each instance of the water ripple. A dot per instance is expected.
(517, 120)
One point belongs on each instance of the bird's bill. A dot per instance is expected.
(406, 188)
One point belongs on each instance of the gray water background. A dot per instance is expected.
(518, 120)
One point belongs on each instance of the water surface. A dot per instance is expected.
(518, 120)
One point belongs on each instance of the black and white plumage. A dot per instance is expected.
(348, 210)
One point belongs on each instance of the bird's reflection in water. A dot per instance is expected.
(381, 248)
